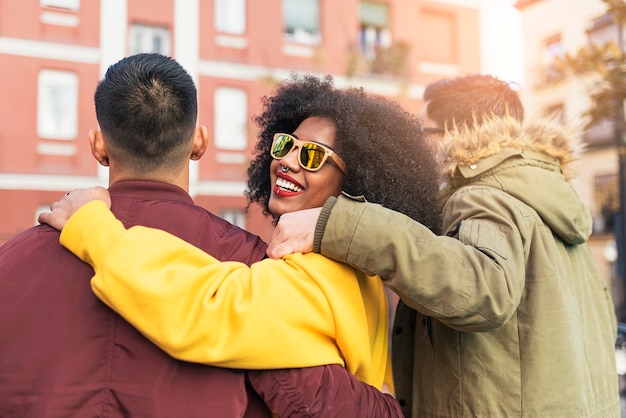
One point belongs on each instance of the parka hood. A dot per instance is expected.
(531, 163)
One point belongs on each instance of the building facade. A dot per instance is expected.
(580, 24)
(53, 52)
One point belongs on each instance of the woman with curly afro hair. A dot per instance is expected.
(388, 161)
(302, 310)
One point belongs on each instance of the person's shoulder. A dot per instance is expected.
(235, 243)
(220, 224)
(32, 240)
(30, 236)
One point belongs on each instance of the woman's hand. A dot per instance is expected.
(64, 208)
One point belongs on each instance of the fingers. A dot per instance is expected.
(43, 217)
(279, 242)
(277, 251)
(78, 197)
(294, 232)
(288, 240)
(62, 210)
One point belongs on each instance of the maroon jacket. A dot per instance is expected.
(65, 354)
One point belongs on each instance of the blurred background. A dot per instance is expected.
(565, 58)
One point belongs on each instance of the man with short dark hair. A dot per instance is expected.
(66, 354)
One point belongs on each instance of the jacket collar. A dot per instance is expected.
(482, 165)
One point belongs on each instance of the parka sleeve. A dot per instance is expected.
(471, 280)
(243, 317)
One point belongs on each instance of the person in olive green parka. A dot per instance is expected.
(505, 314)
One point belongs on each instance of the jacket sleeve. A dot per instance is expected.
(292, 312)
(471, 280)
(323, 391)
(219, 311)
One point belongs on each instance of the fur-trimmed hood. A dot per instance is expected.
(462, 147)
(528, 161)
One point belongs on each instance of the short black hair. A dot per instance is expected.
(146, 106)
(388, 159)
(469, 100)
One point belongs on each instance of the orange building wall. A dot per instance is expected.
(436, 31)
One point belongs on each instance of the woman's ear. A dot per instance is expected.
(98, 147)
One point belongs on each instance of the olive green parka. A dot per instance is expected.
(505, 314)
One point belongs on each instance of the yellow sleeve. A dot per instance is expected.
(198, 309)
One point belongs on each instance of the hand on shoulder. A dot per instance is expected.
(294, 232)
(64, 208)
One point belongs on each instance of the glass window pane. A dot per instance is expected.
(231, 117)
(146, 38)
(301, 19)
(57, 105)
(230, 16)
(553, 48)
(374, 14)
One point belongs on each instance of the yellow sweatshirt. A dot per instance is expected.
(303, 310)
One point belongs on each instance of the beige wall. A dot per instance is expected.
(542, 19)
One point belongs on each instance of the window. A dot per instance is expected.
(606, 199)
(57, 104)
(231, 117)
(61, 4)
(146, 38)
(302, 20)
(376, 50)
(601, 133)
(553, 49)
(230, 16)
(374, 28)
(602, 30)
(235, 217)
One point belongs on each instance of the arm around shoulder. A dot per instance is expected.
(91, 231)
(479, 272)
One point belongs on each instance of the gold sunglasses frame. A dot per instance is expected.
(297, 143)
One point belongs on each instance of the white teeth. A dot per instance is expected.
(284, 184)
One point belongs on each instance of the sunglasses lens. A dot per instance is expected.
(312, 156)
(282, 146)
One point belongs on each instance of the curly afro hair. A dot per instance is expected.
(388, 159)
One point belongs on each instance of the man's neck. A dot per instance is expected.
(181, 180)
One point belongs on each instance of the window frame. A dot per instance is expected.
(149, 33)
(230, 17)
(304, 36)
(229, 124)
(57, 111)
(73, 5)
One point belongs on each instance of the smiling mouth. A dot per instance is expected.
(282, 184)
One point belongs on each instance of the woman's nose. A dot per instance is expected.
(291, 159)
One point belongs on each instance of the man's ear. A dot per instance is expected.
(98, 147)
(200, 142)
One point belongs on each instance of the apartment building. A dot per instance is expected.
(579, 24)
(53, 52)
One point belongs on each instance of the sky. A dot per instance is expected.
(502, 34)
